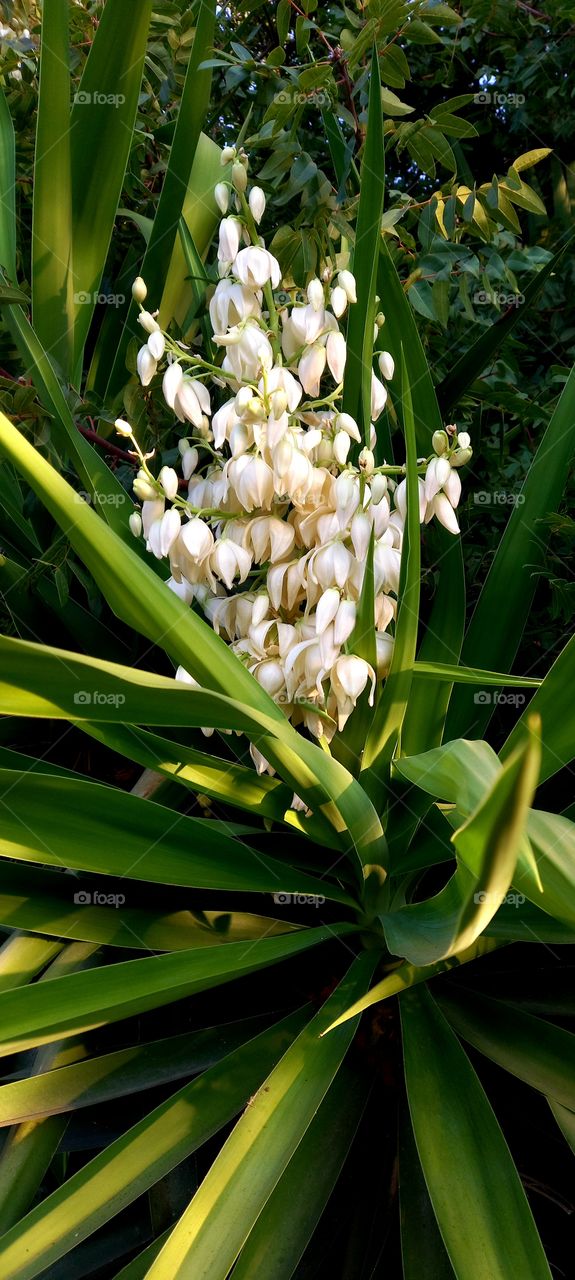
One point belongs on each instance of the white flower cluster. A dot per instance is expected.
(270, 527)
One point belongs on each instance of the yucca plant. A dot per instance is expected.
(322, 974)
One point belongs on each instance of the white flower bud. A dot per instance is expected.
(278, 403)
(222, 196)
(461, 456)
(239, 177)
(336, 352)
(344, 622)
(346, 281)
(326, 610)
(378, 488)
(143, 488)
(168, 479)
(157, 345)
(452, 488)
(123, 428)
(190, 459)
(139, 290)
(440, 441)
(384, 651)
(338, 300)
(341, 447)
(228, 153)
(315, 294)
(147, 322)
(311, 367)
(366, 461)
(257, 203)
(378, 397)
(386, 365)
(345, 422)
(442, 471)
(463, 440)
(442, 508)
(135, 523)
(360, 534)
(146, 365)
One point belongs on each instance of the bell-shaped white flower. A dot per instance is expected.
(336, 352)
(152, 510)
(229, 239)
(442, 508)
(280, 379)
(231, 303)
(253, 482)
(146, 365)
(197, 539)
(229, 561)
(311, 367)
(349, 677)
(171, 383)
(163, 533)
(255, 266)
(191, 401)
(169, 481)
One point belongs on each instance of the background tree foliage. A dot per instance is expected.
(479, 216)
